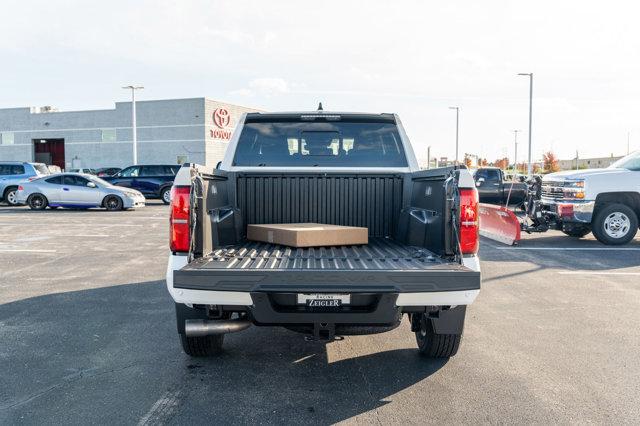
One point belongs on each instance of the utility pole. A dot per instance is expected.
(134, 130)
(530, 74)
(457, 128)
(428, 157)
(515, 152)
(577, 159)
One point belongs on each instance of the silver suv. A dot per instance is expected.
(14, 172)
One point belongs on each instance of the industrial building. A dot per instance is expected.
(168, 132)
(588, 163)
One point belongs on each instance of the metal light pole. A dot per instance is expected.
(515, 152)
(530, 74)
(457, 128)
(133, 120)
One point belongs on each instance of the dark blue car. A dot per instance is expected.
(154, 180)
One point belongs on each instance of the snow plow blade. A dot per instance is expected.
(499, 223)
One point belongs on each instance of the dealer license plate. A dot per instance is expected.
(324, 300)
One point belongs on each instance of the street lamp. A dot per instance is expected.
(530, 74)
(133, 120)
(515, 152)
(457, 127)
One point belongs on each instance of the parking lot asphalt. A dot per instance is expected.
(87, 335)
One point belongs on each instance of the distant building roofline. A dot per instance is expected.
(48, 109)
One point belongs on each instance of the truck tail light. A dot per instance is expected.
(179, 235)
(469, 221)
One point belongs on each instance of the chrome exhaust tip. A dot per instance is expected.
(199, 328)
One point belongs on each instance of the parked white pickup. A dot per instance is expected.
(334, 168)
(603, 201)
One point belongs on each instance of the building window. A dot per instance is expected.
(7, 138)
(108, 135)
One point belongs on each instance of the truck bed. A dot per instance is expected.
(383, 265)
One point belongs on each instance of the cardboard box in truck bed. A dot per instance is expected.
(308, 234)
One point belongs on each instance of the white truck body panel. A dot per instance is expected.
(598, 181)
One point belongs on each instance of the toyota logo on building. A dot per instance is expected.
(221, 117)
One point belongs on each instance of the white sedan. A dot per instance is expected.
(76, 190)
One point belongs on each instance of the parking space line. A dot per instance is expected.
(74, 223)
(163, 408)
(570, 248)
(76, 218)
(27, 251)
(598, 273)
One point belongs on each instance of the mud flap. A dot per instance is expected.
(450, 321)
(444, 321)
(499, 224)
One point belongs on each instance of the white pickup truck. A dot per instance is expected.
(334, 168)
(603, 201)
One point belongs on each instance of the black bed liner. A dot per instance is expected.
(380, 266)
(380, 253)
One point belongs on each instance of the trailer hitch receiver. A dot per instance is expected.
(323, 331)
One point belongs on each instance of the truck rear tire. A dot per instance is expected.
(435, 345)
(202, 346)
(615, 224)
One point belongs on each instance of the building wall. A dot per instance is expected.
(167, 130)
(218, 134)
(587, 163)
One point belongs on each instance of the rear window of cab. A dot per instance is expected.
(340, 143)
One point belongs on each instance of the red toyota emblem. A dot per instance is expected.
(221, 117)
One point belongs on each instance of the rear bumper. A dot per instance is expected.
(240, 288)
(21, 198)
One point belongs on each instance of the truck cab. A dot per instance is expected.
(493, 188)
(347, 169)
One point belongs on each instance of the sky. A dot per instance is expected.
(415, 58)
